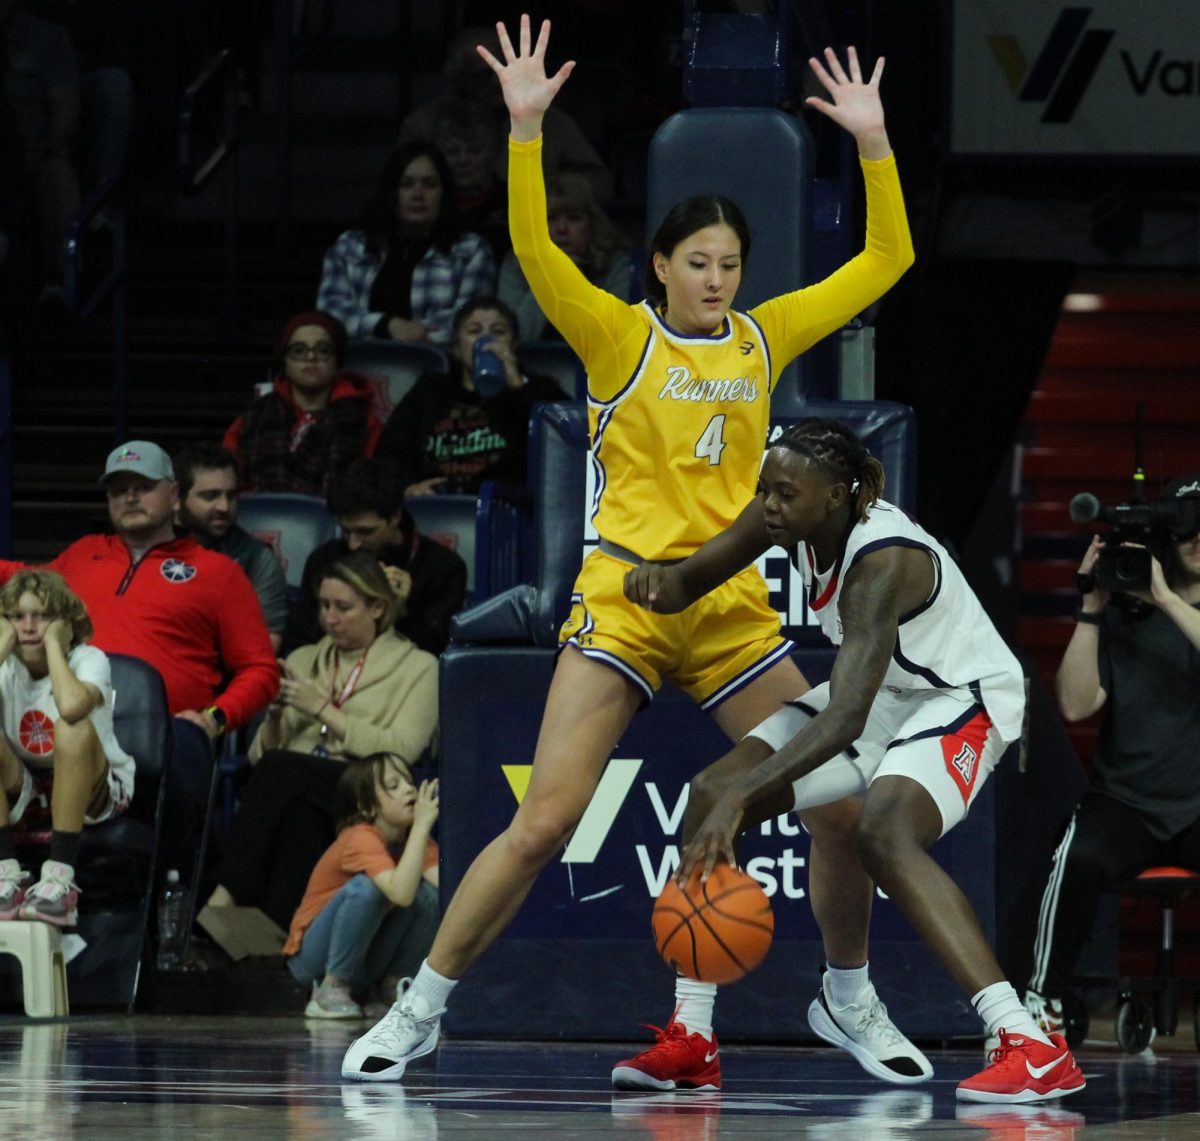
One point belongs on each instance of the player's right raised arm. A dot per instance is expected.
(667, 589)
(590, 320)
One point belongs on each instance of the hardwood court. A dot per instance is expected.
(157, 1076)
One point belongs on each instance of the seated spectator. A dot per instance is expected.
(370, 910)
(447, 437)
(411, 266)
(466, 134)
(465, 76)
(361, 689)
(1133, 656)
(429, 579)
(583, 232)
(189, 612)
(57, 742)
(40, 75)
(317, 418)
(208, 508)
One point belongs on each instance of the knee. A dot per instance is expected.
(882, 842)
(73, 739)
(834, 825)
(363, 889)
(535, 837)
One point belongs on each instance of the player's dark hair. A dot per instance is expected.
(841, 454)
(682, 221)
(205, 456)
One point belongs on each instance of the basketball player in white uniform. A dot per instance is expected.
(923, 699)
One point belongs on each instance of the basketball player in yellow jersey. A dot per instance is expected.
(679, 397)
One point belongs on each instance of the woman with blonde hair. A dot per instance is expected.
(56, 739)
(361, 689)
(581, 229)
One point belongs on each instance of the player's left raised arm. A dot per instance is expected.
(854, 102)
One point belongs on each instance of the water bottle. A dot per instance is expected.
(172, 920)
(487, 369)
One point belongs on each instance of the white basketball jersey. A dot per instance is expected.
(947, 643)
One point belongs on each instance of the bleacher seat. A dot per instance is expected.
(393, 367)
(118, 859)
(291, 525)
(450, 520)
(557, 360)
(708, 150)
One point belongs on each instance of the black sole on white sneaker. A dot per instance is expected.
(825, 1026)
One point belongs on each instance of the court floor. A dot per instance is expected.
(156, 1076)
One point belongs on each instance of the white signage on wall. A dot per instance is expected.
(1108, 78)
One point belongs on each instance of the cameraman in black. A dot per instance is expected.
(1136, 654)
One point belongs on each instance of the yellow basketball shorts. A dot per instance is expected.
(715, 648)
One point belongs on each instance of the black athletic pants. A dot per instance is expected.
(1105, 843)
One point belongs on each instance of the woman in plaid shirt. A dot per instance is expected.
(410, 267)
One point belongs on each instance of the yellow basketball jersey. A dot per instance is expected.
(676, 450)
(678, 423)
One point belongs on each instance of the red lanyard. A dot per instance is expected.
(351, 682)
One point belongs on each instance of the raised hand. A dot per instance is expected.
(527, 89)
(856, 106)
(425, 811)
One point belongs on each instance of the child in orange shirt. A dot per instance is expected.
(368, 915)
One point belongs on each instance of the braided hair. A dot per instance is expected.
(837, 450)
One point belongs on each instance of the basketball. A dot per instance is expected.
(716, 931)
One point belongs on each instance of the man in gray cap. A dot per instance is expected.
(1138, 663)
(188, 611)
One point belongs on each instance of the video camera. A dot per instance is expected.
(1139, 531)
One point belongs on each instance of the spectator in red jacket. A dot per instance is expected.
(316, 419)
(188, 611)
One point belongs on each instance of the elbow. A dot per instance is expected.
(1072, 711)
(73, 712)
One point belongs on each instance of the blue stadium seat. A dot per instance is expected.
(763, 160)
(118, 859)
(291, 525)
(450, 520)
(393, 367)
(557, 360)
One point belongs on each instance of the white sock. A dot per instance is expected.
(694, 1005)
(1000, 1008)
(843, 984)
(433, 988)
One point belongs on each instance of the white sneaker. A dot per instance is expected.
(1047, 1013)
(408, 1031)
(864, 1030)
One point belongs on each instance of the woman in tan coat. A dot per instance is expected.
(361, 689)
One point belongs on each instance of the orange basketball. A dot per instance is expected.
(716, 931)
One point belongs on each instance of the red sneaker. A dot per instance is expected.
(677, 1060)
(1024, 1069)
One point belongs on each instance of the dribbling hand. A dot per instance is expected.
(712, 844)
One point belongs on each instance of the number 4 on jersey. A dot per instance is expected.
(711, 444)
